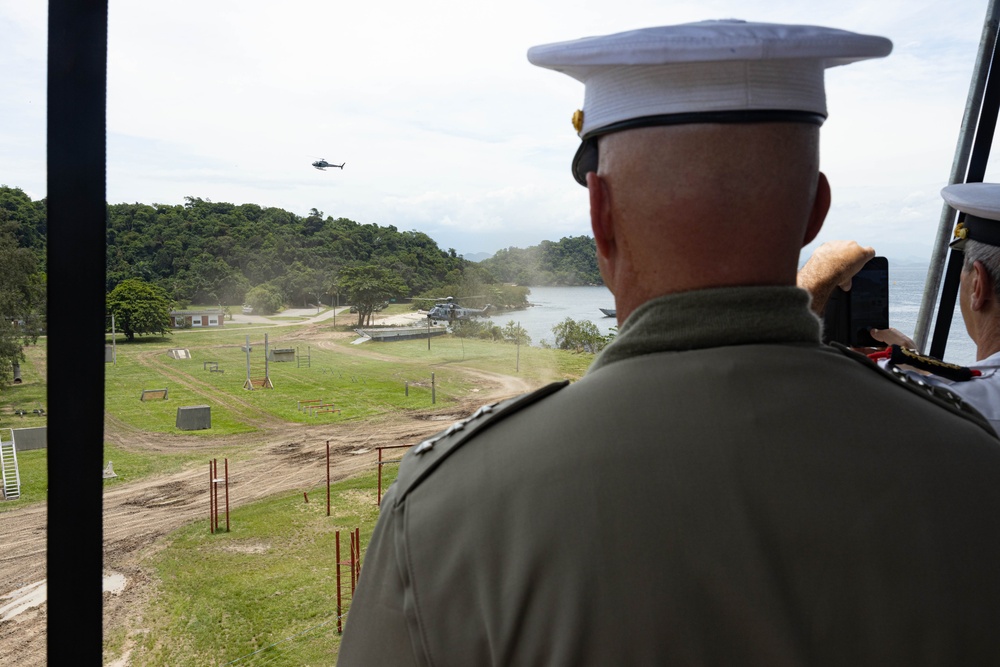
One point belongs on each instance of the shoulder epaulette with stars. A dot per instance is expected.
(900, 356)
(426, 456)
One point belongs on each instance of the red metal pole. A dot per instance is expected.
(357, 561)
(378, 500)
(353, 556)
(328, 478)
(211, 503)
(215, 490)
(227, 495)
(340, 628)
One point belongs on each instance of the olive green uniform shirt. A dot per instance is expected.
(719, 489)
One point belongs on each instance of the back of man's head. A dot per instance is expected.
(713, 190)
(704, 138)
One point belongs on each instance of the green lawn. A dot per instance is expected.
(265, 591)
(267, 586)
(359, 387)
(33, 471)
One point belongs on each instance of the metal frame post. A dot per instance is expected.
(975, 137)
(340, 607)
(227, 494)
(211, 498)
(76, 213)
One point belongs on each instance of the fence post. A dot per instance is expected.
(227, 494)
(433, 391)
(340, 627)
(211, 502)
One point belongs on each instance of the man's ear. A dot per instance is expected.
(602, 225)
(982, 286)
(820, 207)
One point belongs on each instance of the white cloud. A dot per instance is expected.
(442, 123)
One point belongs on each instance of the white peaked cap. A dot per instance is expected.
(711, 71)
(979, 199)
(981, 204)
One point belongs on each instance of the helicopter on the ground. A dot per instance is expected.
(447, 310)
(323, 164)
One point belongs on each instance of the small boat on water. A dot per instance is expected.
(609, 312)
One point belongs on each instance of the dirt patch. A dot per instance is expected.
(247, 547)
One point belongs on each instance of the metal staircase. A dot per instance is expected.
(8, 468)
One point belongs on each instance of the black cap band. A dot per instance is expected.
(585, 159)
(974, 228)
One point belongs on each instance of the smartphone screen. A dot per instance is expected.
(849, 315)
(869, 297)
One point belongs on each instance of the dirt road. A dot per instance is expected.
(278, 458)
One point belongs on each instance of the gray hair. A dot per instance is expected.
(989, 255)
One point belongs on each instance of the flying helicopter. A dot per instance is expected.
(448, 310)
(323, 164)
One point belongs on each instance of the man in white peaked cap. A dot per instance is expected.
(978, 237)
(720, 488)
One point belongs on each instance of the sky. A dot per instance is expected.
(444, 126)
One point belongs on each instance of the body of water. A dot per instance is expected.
(552, 305)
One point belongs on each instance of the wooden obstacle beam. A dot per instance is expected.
(312, 400)
(262, 383)
(153, 395)
(322, 407)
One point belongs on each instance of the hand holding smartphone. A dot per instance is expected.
(850, 315)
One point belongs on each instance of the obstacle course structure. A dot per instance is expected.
(8, 469)
(257, 383)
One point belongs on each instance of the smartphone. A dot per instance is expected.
(850, 315)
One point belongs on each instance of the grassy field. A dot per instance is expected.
(263, 594)
(360, 387)
(27, 396)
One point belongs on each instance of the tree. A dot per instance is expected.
(582, 336)
(139, 308)
(368, 287)
(515, 333)
(265, 299)
(22, 301)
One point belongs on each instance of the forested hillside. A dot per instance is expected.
(22, 276)
(570, 261)
(210, 252)
(204, 252)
